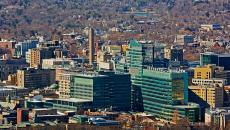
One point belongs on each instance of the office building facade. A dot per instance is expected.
(159, 92)
(64, 85)
(35, 78)
(211, 71)
(10, 66)
(206, 82)
(205, 72)
(22, 47)
(35, 56)
(57, 63)
(174, 54)
(166, 91)
(139, 55)
(207, 96)
(105, 89)
(217, 59)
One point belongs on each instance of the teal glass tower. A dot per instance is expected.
(139, 56)
(165, 91)
(158, 91)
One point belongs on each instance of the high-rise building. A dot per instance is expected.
(208, 58)
(58, 73)
(159, 92)
(223, 74)
(91, 46)
(35, 78)
(33, 57)
(224, 61)
(217, 59)
(105, 89)
(165, 91)
(176, 54)
(207, 96)
(139, 54)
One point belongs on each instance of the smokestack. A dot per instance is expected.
(91, 46)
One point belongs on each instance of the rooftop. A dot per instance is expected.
(5, 89)
(189, 105)
(76, 100)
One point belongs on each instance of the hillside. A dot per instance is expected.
(22, 18)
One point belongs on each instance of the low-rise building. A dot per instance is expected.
(57, 63)
(217, 117)
(35, 78)
(22, 47)
(174, 54)
(9, 46)
(209, 27)
(184, 39)
(10, 66)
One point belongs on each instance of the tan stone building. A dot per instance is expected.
(36, 55)
(64, 85)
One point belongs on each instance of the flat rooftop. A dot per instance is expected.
(76, 100)
(5, 89)
(189, 105)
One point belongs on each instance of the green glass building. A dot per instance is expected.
(105, 89)
(158, 91)
(208, 58)
(166, 91)
(138, 56)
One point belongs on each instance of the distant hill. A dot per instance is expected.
(22, 18)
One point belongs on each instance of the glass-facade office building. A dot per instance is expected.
(164, 92)
(156, 91)
(22, 47)
(138, 56)
(212, 58)
(105, 89)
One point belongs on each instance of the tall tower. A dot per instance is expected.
(91, 46)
